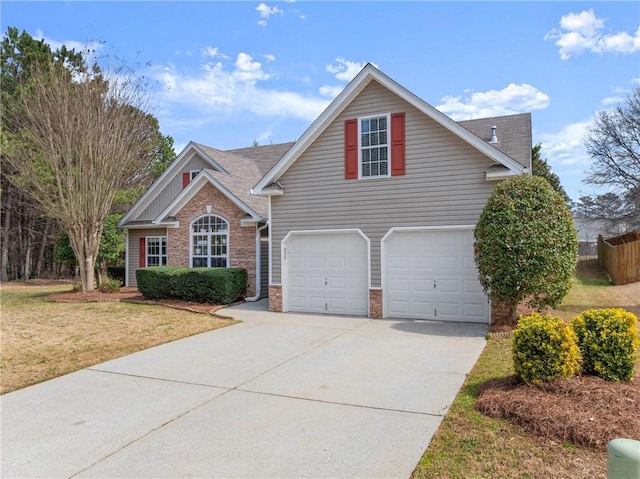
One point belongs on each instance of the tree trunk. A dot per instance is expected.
(4, 273)
(85, 243)
(43, 245)
(28, 243)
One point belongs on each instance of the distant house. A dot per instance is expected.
(371, 212)
(589, 229)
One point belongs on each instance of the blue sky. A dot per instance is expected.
(228, 73)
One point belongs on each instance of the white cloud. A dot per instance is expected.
(612, 100)
(213, 52)
(266, 12)
(566, 147)
(511, 99)
(269, 57)
(234, 87)
(582, 31)
(345, 70)
(330, 91)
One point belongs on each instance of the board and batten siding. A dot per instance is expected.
(173, 189)
(444, 183)
(133, 262)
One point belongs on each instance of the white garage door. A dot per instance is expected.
(327, 272)
(431, 274)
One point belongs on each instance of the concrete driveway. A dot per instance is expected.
(279, 395)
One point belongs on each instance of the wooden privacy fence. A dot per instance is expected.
(621, 257)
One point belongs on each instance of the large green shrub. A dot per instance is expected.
(157, 282)
(544, 348)
(201, 285)
(525, 244)
(215, 285)
(608, 341)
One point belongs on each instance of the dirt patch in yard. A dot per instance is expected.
(131, 295)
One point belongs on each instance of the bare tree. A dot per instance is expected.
(76, 139)
(613, 142)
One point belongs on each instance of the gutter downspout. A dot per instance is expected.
(258, 264)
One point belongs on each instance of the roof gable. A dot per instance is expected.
(232, 172)
(368, 74)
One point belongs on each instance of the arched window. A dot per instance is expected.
(209, 242)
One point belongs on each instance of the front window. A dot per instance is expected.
(156, 251)
(209, 239)
(374, 146)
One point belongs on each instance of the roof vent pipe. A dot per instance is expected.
(494, 137)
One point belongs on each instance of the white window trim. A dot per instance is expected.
(160, 239)
(388, 175)
(193, 174)
(209, 256)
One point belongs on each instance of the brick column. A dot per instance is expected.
(275, 298)
(375, 303)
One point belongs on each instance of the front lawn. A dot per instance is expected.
(42, 340)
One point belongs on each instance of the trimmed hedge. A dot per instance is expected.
(201, 285)
(544, 348)
(608, 340)
(211, 285)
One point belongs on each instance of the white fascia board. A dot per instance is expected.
(196, 185)
(366, 75)
(146, 226)
(165, 178)
(274, 189)
(503, 175)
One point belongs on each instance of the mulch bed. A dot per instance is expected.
(586, 411)
(131, 295)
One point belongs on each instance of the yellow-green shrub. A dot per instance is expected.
(608, 341)
(544, 348)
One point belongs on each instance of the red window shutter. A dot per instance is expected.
(351, 149)
(397, 144)
(186, 178)
(143, 252)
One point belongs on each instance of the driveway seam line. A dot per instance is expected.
(324, 401)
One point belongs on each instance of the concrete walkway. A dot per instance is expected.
(279, 395)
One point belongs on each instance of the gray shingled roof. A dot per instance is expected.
(266, 156)
(245, 167)
(513, 132)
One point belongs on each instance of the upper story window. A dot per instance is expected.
(374, 146)
(209, 241)
(187, 176)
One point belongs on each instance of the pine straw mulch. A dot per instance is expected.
(131, 295)
(587, 411)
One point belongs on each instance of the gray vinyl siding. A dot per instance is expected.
(133, 263)
(173, 189)
(444, 182)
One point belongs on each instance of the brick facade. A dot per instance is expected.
(275, 298)
(375, 303)
(242, 239)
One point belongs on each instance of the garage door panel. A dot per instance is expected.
(448, 286)
(335, 269)
(443, 257)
